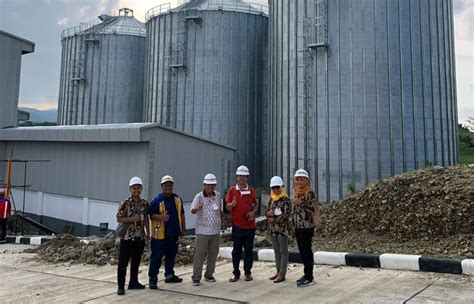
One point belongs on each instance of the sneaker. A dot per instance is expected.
(153, 283)
(136, 286)
(305, 283)
(210, 279)
(300, 280)
(120, 291)
(196, 283)
(174, 279)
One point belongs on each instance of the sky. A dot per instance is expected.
(42, 22)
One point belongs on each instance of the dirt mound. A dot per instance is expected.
(426, 204)
(98, 251)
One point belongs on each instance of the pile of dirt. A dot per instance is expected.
(425, 204)
(98, 251)
(428, 212)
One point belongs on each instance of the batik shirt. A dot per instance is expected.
(279, 224)
(130, 208)
(303, 215)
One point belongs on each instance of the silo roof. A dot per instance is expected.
(226, 5)
(124, 25)
(206, 5)
(121, 24)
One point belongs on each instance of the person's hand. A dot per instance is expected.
(165, 217)
(251, 215)
(136, 218)
(200, 206)
(270, 213)
(232, 204)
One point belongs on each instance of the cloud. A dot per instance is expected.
(464, 30)
(62, 21)
(141, 7)
(43, 105)
(464, 42)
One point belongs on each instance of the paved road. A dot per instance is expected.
(24, 280)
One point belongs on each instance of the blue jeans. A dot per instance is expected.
(242, 237)
(167, 248)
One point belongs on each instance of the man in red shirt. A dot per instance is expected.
(241, 201)
(5, 212)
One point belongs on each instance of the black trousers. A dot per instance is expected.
(129, 250)
(242, 237)
(3, 226)
(304, 238)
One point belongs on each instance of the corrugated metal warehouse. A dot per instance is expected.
(205, 73)
(90, 167)
(11, 50)
(102, 71)
(360, 90)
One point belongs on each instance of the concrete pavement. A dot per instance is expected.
(26, 280)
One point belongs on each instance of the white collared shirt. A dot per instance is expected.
(243, 192)
(208, 219)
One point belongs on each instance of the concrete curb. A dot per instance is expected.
(384, 261)
(28, 240)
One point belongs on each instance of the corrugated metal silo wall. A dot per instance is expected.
(382, 97)
(112, 89)
(219, 94)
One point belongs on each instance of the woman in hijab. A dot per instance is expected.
(278, 213)
(305, 212)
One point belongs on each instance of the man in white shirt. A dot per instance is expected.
(207, 205)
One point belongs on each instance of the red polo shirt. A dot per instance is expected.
(246, 201)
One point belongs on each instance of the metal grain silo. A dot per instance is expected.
(102, 71)
(360, 90)
(205, 72)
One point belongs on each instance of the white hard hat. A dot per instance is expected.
(276, 181)
(242, 170)
(167, 178)
(135, 181)
(301, 172)
(210, 179)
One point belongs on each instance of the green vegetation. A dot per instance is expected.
(351, 188)
(466, 143)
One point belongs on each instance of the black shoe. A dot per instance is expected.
(209, 279)
(153, 283)
(305, 283)
(174, 279)
(136, 286)
(120, 291)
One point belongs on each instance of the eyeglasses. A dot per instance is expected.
(276, 187)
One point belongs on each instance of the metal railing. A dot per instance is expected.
(123, 30)
(157, 10)
(243, 7)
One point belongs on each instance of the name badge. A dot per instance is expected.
(215, 207)
(277, 211)
(244, 192)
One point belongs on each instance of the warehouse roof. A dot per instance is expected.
(129, 132)
(27, 46)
